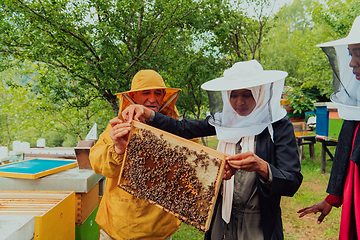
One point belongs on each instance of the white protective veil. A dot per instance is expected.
(346, 86)
(231, 127)
(266, 88)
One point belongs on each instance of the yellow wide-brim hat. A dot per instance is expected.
(148, 80)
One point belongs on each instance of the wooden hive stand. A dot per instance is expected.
(306, 140)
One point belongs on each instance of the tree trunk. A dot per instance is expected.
(203, 140)
(113, 103)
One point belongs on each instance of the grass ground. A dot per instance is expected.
(311, 191)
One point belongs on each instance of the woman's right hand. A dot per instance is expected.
(136, 112)
(323, 207)
(228, 171)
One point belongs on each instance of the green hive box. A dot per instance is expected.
(335, 127)
(89, 230)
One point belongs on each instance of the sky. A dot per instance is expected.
(277, 4)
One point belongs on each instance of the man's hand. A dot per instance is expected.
(249, 162)
(136, 112)
(323, 207)
(119, 133)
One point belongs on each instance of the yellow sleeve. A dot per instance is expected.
(103, 158)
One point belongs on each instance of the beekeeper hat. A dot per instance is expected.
(148, 80)
(244, 75)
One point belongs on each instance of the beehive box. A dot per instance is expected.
(178, 175)
(85, 203)
(89, 229)
(36, 167)
(53, 211)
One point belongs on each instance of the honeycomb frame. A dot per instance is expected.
(186, 184)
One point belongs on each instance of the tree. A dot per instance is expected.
(290, 46)
(237, 34)
(291, 43)
(194, 69)
(92, 44)
(335, 16)
(17, 113)
(27, 116)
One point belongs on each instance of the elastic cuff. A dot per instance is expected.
(152, 116)
(117, 158)
(334, 201)
(267, 183)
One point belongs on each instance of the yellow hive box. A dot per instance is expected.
(85, 204)
(178, 175)
(53, 211)
(300, 129)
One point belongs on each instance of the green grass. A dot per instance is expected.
(187, 232)
(211, 142)
(311, 191)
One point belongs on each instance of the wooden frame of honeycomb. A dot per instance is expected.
(178, 175)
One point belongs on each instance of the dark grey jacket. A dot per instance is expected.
(342, 156)
(282, 156)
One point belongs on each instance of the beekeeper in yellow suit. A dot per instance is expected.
(120, 214)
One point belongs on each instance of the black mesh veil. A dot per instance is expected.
(215, 104)
(332, 56)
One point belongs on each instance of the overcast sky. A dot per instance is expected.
(276, 5)
(279, 3)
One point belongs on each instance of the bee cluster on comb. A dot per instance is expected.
(178, 175)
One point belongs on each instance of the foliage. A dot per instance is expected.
(57, 139)
(77, 121)
(335, 16)
(93, 44)
(17, 110)
(291, 46)
(297, 29)
(236, 34)
(193, 70)
(90, 49)
(81, 52)
(299, 101)
(70, 140)
(22, 112)
(68, 58)
(53, 139)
